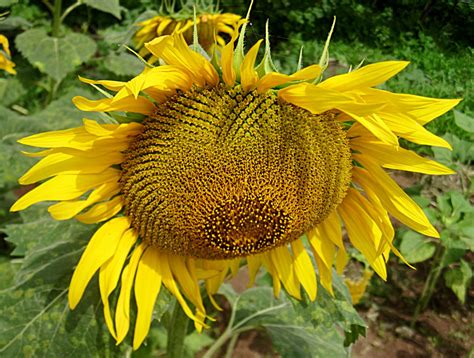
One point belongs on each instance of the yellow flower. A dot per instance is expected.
(5, 55)
(234, 164)
(210, 28)
(358, 287)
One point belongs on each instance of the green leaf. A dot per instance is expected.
(6, 3)
(36, 319)
(416, 248)
(195, 342)
(10, 90)
(109, 6)
(464, 121)
(459, 279)
(298, 329)
(53, 56)
(123, 64)
(462, 150)
(443, 155)
(8, 269)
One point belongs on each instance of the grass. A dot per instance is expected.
(432, 72)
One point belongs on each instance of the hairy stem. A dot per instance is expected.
(57, 18)
(430, 283)
(177, 332)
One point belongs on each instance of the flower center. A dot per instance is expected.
(218, 173)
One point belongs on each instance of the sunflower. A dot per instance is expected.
(211, 27)
(5, 55)
(232, 164)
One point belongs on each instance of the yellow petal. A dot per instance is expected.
(342, 258)
(189, 285)
(269, 265)
(128, 104)
(227, 61)
(367, 76)
(283, 264)
(111, 85)
(248, 75)
(147, 288)
(66, 210)
(79, 139)
(109, 273)
(376, 183)
(162, 78)
(324, 252)
(398, 158)
(422, 109)
(54, 139)
(304, 269)
(318, 100)
(411, 130)
(363, 232)
(122, 312)
(254, 263)
(5, 44)
(112, 130)
(175, 51)
(377, 127)
(102, 211)
(273, 79)
(170, 283)
(358, 288)
(60, 163)
(330, 229)
(65, 187)
(101, 247)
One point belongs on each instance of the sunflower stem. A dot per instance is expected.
(227, 334)
(57, 18)
(177, 332)
(430, 283)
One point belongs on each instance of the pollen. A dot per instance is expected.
(220, 173)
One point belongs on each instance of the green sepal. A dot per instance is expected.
(300, 60)
(324, 60)
(239, 53)
(147, 64)
(266, 65)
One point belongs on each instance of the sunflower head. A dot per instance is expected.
(211, 26)
(233, 163)
(226, 173)
(5, 56)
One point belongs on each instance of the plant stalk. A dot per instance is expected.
(430, 283)
(177, 332)
(57, 18)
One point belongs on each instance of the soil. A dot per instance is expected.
(445, 329)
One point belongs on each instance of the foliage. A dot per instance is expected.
(38, 254)
(383, 24)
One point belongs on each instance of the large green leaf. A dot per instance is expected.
(109, 6)
(123, 64)
(416, 248)
(298, 329)
(36, 320)
(53, 56)
(464, 121)
(459, 279)
(10, 90)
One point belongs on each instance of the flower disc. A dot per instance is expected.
(218, 173)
